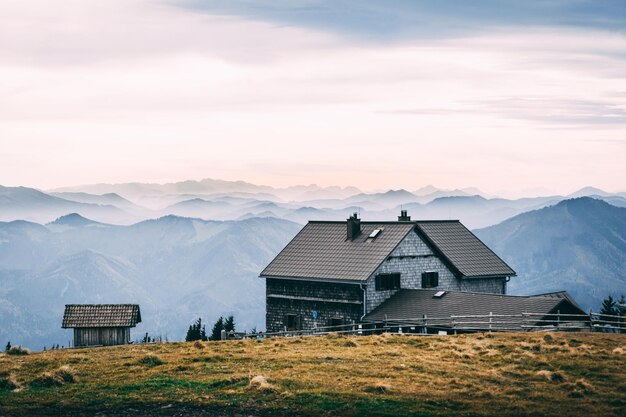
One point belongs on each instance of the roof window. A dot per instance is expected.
(375, 233)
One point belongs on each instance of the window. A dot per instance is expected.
(292, 322)
(387, 281)
(430, 279)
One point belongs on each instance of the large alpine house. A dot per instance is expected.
(335, 273)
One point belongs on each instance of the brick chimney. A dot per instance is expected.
(403, 217)
(354, 227)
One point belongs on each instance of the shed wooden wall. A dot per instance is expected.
(101, 336)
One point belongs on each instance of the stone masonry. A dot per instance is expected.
(329, 300)
(411, 258)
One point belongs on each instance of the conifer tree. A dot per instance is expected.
(8, 348)
(609, 308)
(229, 324)
(196, 331)
(216, 333)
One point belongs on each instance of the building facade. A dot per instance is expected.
(335, 273)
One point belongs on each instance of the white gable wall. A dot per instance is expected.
(411, 258)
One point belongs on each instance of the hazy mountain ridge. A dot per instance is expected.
(249, 200)
(577, 245)
(179, 258)
(176, 268)
(209, 186)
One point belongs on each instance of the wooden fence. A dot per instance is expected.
(525, 322)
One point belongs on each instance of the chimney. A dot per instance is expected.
(403, 217)
(354, 227)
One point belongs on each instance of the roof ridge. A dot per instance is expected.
(385, 221)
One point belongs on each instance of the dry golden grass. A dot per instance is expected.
(59, 377)
(572, 374)
(260, 382)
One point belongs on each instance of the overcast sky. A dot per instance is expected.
(500, 95)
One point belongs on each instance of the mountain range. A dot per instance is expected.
(578, 245)
(177, 269)
(125, 204)
(186, 255)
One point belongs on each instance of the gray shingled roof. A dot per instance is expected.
(462, 250)
(321, 251)
(101, 315)
(414, 304)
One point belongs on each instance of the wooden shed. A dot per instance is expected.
(101, 324)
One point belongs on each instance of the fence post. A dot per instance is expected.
(425, 323)
(490, 319)
(558, 320)
(453, 324)
(591, 319)
(524, 322)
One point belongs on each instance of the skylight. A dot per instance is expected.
(439, 294)
(375, 233)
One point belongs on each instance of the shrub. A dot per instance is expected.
(150, 361)
(350, 343)
(18, 351)
(62, 376)
(7, 383)
(198, 345)
(379, 388)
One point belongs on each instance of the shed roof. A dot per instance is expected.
(322, 251)
(414, 304)
(101, 315)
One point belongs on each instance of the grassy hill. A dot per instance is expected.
(574, 374)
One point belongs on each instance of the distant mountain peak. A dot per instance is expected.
(428, 189)
(73, 220)
(589, 191)
(399, 192)
(583, 201)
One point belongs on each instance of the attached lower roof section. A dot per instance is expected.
(414, 304)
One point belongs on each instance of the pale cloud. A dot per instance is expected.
(141, 91)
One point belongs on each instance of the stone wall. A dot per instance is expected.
(329, 300)
(411, 258)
